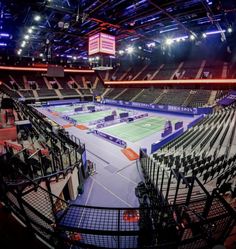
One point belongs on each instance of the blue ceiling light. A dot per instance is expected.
(168, 30)
(181, 38)
(4, 35)
(209, 2)
(215, 32)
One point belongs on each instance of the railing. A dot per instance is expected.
(155, 224)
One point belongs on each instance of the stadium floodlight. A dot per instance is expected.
(30, 30)
(26, 37)
(169, 41)
(130, 50)
(23, 44)
(37, 18)
(151, 44)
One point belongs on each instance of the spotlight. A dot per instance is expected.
(192, 37)
(30, 30)
(169, 41)
(121, 52)
(97, 58)
(41, 55)
(26, 37)
(204, 35)
(230, 30)
(23, 44)
(130, 50)
(37, 18)
(151, 44)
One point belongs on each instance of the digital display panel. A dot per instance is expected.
(107, 44)
(93, 44)
(102, 43)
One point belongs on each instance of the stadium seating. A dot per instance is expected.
(148, 95)
(129, 94)
(205, 150)
(173, 97)
(198, 98)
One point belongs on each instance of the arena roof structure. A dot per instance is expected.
(60, 28)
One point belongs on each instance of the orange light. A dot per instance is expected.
(40, 69)
(75, 236)
(185, 81)
(131, 216)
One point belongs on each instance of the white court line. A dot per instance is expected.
(127, 179)
(112, 193)
(90, 190)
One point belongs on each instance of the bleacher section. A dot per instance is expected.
(148, 95)
(129, 94)
(198, 98)
(174, 97)
(178, 197)
(166, 72)
(190, 69)
(69, 92)
(214, 68)
(46, 93)
(205, 150)
(85, 91)
(113, 92)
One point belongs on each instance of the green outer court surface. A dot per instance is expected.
(88, 117)
(137, 130)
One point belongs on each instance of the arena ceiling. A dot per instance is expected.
(62, 27)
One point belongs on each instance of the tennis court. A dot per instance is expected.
(137, 130)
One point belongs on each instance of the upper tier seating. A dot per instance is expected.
(190, 69)
(166, 72)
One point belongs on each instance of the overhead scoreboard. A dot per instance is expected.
(102, 43)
